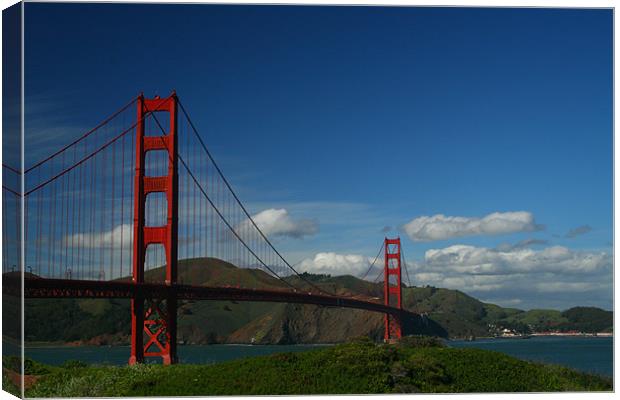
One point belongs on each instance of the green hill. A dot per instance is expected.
(103, 321)
(587, 319)
(581, 319)
(215, 272)
(538, 320)
(459, 314)
(444, 312)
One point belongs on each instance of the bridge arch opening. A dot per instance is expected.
(155, 257)
(156, 209)
(156, 163)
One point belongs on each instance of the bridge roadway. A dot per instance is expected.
(65, 288)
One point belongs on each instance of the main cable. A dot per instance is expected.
(405, 263)
(84, 136)
(204, 147)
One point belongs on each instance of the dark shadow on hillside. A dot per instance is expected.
(415, 324)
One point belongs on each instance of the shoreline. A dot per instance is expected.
(559, 334)
(44, 345)
(55, 345)
(598, 334)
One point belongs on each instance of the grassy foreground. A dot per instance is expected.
(414, 365)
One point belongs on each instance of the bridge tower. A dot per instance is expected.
(392, 287)
(155, 319)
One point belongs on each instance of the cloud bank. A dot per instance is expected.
(553, 277)
(510, 275)
(441, 227)
(484, 261)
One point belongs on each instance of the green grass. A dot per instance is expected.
(415, 365)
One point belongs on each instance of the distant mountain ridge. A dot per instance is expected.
(445, 312)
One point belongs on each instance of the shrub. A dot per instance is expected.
(31, 367)
(419, 341)
(363, 340)
(12, 362)
(72, 364)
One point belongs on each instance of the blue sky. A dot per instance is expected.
(361, 118)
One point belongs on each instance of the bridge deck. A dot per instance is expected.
(64, 288)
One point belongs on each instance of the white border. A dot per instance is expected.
(396, 3)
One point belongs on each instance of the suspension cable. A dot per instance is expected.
(406, 269)
(227, 223)
(10, 168)
(379, 276)
(83, 160)
(84, 136)
(373, 263)
(94, 153)
(231, 190)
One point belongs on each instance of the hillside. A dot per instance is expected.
(103, 321)
(359, 367)
(444, 313)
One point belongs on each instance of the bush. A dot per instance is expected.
(363, 340)
(353, 368)
(12, 362)
(31, 367)
(72, 364)
(419, 341)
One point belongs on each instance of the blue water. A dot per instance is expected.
(588, 354)
(189, 354)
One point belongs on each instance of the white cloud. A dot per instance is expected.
(339, 264)
(554, 277)
(106, 239)
(440, 227)
(515, 275)
(278, 222)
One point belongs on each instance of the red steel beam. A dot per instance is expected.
(64, 288)
(143, 320)
(392, 292)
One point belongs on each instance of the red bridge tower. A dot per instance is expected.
(392, 287)
(158, 324)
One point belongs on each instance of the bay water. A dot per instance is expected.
(583, 353)
(588, 354)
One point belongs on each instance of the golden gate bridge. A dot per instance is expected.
(140, 191)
